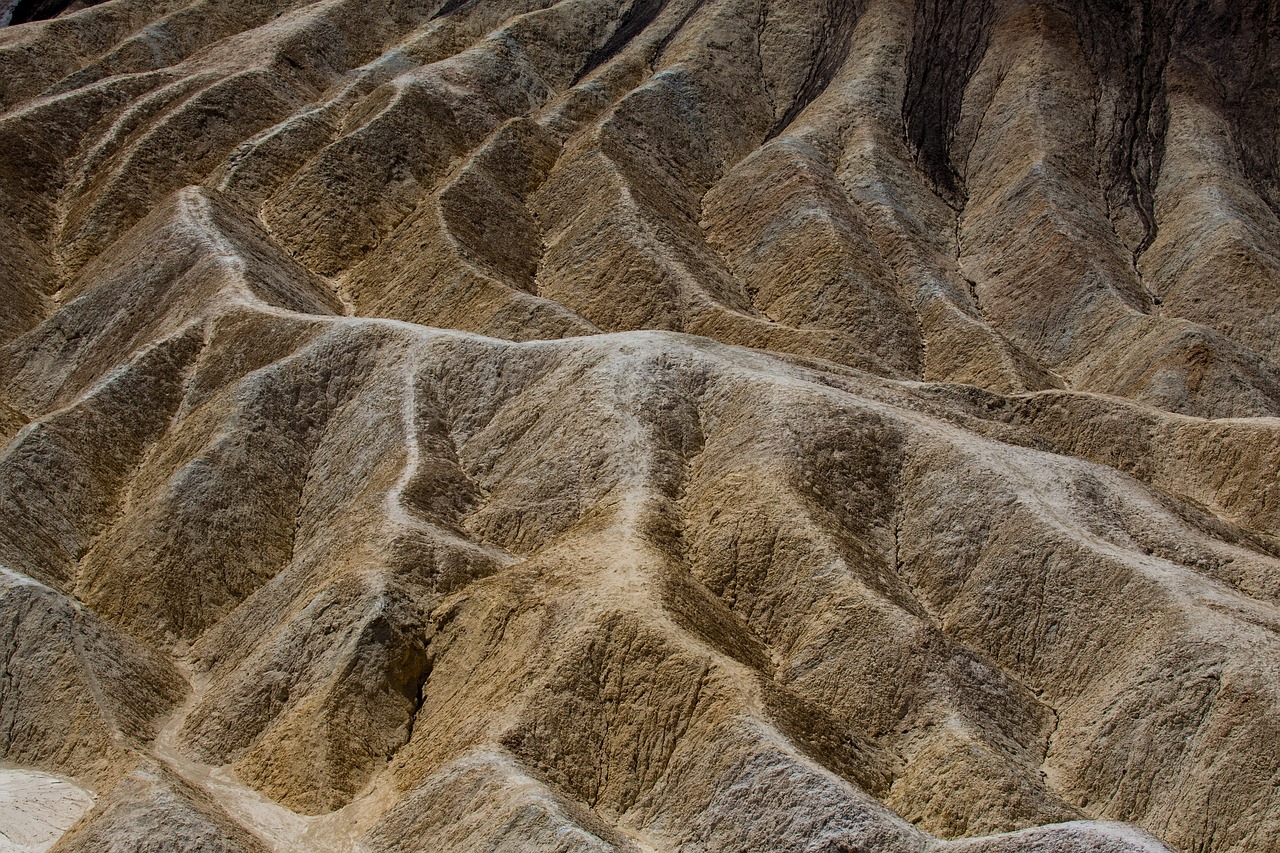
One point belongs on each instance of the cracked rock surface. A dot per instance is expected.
(646, 425)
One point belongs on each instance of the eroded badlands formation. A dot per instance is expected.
(640, 424)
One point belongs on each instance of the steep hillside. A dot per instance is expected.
(788, 425)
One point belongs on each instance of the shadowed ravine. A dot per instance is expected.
(790, 425)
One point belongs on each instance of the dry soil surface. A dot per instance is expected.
(577, 425)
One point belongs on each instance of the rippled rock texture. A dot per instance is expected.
(640, 424)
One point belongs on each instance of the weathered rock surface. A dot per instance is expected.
(640, 425)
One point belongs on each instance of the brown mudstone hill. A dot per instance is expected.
(651, 425)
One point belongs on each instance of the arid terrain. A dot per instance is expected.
(644, 425)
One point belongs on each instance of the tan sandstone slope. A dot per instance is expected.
(577, 425)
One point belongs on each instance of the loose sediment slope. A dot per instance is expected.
(652, 425)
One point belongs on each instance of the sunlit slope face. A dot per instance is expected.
(667, 425)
